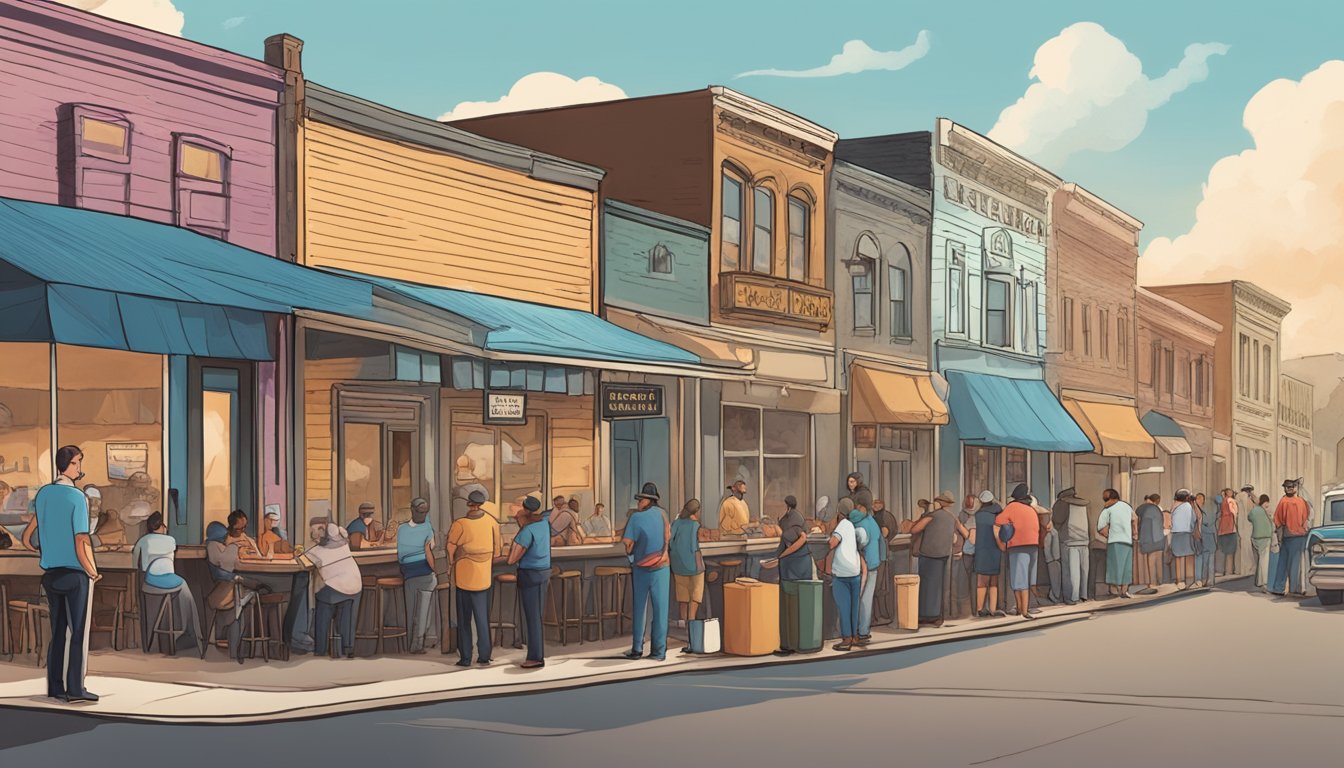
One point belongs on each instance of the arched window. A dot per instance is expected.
(762, 230)
(800, 237)
(862, 269)
(730, 225)
(898, 292)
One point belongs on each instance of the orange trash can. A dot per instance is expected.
(907, 601)
(750, 618)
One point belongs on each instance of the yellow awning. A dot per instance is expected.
(887, 397)
(1113, 429)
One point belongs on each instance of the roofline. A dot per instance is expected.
(577, 106)
(1094, 201)
(773, 116)
(947, 126)
(1180, 308)
(372, 118)
(1238, 285)
(1296, 380)
(895, 186)
(652, 218)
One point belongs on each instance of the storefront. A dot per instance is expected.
(893, 414)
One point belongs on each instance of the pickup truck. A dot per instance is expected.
(1325, 546)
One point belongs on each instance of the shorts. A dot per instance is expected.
(689, 589)
(1182, 544)
(1019, 568)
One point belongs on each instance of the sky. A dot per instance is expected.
(1220, 125)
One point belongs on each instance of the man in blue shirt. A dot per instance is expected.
(531, 552)
(364, 530)
(870, 546)
(646, 537)
(415, 556)
(61, 519)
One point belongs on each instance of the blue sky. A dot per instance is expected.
(425, 57)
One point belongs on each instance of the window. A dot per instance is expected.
(1268, 372)
(508, 461)
(25, 427)
(1015, 466)
(981, 468)
(898, 293)
(1122, 338)
(956, 289)
(1169, 364)
(1087, 330)
(1155, 366)
(201, 162)
(762, 235)
(799, 238)
(1244, 365)
(1255, 369)
(1067, 312)
(1185, 375)
(106, 137)
(660, 260)
(861, 278)
(201, 185)
(771, 452)
(1028, 315)
(95, 168)
(1104, 329)
(730, 242)
(998, 313)
(1200, 375)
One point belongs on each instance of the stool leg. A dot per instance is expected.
(382, 619)
(172, 626)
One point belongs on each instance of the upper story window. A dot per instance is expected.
(1169, 366)
(201, 185)
(898, 292)
(95, 171)
(1067, 312)
(1155, 367)
(1087, 330)
(1255, 369)
(861, 272)
(106, 136)
(660, 260)
(1122, 338)
(1244, 365)
(800, 224)
(1201, 381)
(1104, 327)
(956, 289)
(1267, 352)
(998, 312)
(730, 229)
(763, 231)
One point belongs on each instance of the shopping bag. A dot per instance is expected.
(705, 635)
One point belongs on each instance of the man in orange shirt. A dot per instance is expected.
(1026, 537)
(1292, 518)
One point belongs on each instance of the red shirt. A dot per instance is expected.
(1292, 514)
(1227, 517)
(1026, 526)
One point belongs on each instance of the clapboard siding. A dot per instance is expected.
(391, 209)
(53, 57)
(630, 237)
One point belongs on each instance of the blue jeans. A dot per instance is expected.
(532, 590)
(70, 599)
(473, 607)
(846, 592)
(345, 608)
(1290, 564)
(865, 622)
(651, 587)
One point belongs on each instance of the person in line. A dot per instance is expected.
(963, 561)
(1207, 547)
(1262, 538)
(597, 526)
(474, 544)
(531, 552)
(795, 562)
(272, 542)
(1069, 514)
(566, 531)
(1025, 537)
(646, 539)
(154, 557)
(364, 530)
(1117, 523)
(988, 557)
(1229, 512)
(688, 565)
(1183, 527)
(870, 544)
(1152, 543)
(60, 524)
(341, 584)
(940, 529)
(415, 557)
(734, 514)
(1292, 520)
(1246, 499)
(848, 572)
(1050, 552)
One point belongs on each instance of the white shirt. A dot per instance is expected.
(1183, 518)
(845, 556)
(1118, 519)
(337, 567)
(153, 554)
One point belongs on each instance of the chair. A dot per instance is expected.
(610, 590)
(564, 603)
(273, 607)
(497, 623)
(21, 610)
(369, 618)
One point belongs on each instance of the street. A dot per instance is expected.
(1194, 681)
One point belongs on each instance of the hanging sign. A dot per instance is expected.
(505, 407)
(632, 401)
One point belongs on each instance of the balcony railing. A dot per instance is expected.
(783, 301)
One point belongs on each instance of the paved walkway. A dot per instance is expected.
(136, 686)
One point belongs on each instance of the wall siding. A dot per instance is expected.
(407, 213)
(628, 280)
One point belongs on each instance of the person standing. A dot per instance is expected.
(1246, 499)
(940, 528)
(857, 490)
(566, 530)
(795, 561)
(848, 572)
(61, 524)
(870, 545)
(646, 539)
(1228, 513)
(339, 596)
(1024, 539)
(1292, 519)
(1069, 515)
(531, 552)
(734, 514)
(1050, 551)
(988, 557)
(1117, 523)
(474, 545)
(688, 565)
(1262, 538)
(1152, 543)
(415, 556)
(1207, 524)
(963, 561)
(1183, 529)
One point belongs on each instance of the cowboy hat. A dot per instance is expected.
(649, 491)
(945, 498)
(1070, 496)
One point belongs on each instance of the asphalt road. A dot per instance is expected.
(1226, 679)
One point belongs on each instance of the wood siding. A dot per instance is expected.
(408, 213)
(631, 239)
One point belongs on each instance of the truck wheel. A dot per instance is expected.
(1330, 596)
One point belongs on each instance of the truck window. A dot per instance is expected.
(1337, 511)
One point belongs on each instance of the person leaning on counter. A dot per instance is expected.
(734, 514)
(474, 545)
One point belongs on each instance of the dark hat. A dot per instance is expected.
(1248, 487)
(790, 502)
(476, 498)
(1289, 483)
(1021, 492)
(530, 503)
(1070, 496)
(649, 491)
(366, 507)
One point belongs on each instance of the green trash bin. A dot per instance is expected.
(801, 616)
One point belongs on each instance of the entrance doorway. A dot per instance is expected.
(379, 455)
(220, 442)
(639, 454)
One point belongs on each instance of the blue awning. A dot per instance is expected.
(520, 327)
(1012, 413)
(1161, 425)
(93, 279)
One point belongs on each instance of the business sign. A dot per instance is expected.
(125, 459)
(505, 407)
(632, 401)
(993, 208)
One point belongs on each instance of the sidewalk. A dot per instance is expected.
(151, 687)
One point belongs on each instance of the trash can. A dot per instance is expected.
(907, 601)
(750, 618)
(802, 615)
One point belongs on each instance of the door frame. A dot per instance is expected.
(392, 410)
(246, 491)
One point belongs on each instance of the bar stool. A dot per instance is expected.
(6, 641)
(273, 621)
(565, 601)
(369, 617)
(254, 632)
(610, 588)
(22, 610)
(443, 600)
(164, 616)
(497, 623)
(392, 588)
(115, 618)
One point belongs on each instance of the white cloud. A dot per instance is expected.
(1091, 94)
(233, 22)
(159, 15)
(539, 90)
(1274, 214)
(856, 56)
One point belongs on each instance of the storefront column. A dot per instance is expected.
(183, 526)
(711, 457)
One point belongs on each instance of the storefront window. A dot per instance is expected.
(25, 428)
(981, 468)
(363, 456)
(771, 451)
(110, 404)
(1016, 467)
(506, 462)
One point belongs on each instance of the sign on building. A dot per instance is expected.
(505, 407)
(632, 401)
